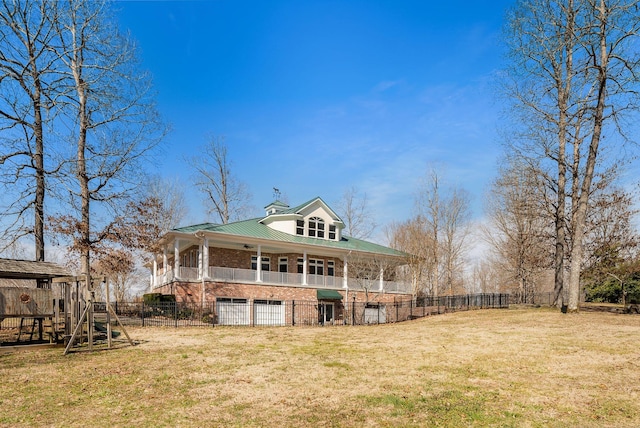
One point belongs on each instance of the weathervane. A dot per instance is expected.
(276, 193)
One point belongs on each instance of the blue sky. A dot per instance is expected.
(314, 97)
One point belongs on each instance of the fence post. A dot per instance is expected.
(142, 313)
(212, 313)
(293, 312)
(175, 313)
(353, 311)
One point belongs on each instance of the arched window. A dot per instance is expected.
(316, 227)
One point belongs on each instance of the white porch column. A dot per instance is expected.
(304, 267)
(154, 282)
(205, 253)
(176, 260)
(259, 264)
(200, 261)
(381, 286)
(165, 262)
(345, 273)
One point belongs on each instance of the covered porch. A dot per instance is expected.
(210, 260)
(249, 276)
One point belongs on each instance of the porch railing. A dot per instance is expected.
(189, 273)
(216, 273)
(280, 277)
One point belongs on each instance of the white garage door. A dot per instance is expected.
(232, 311)
(268, 312)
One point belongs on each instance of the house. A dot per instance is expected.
(253, 267)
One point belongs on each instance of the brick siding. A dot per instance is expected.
(241, 259)
(192, 292)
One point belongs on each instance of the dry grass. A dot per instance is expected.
(517, 367)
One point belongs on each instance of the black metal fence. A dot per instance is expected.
(247, 312)
(542, 299)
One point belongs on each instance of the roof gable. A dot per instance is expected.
(304, 209)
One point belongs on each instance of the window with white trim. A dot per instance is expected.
(283, 265)
(332, 231)
(331, 268)
(316, 227)
(268, 302)
(300, 227)
(190, 258)
(230, 300)
(265, 263)
(316, 267)
(300, 265)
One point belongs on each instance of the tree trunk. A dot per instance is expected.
(39, 166)
(598, 118)
(83, 178)
(560, 219)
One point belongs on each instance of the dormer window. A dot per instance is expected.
(316, 227)
(313, 219)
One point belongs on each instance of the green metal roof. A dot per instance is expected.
(254, 229)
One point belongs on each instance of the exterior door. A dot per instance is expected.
(325, 313)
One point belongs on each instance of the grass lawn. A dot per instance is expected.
(515, 367)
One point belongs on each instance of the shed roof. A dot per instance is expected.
(27, 269)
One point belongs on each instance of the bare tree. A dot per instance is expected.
(227, 197)
(455, 238)
(110, 111)
(134, 235)
(519, 230)
(611, 241)
(354, 209)
(170, 207)
(28, 87)
(444, 214)
(486, 277)
(573, 80)
(435, 239)
(365, 274)
(145, 221)
(428, 206)
(412, 238)
(118, 264)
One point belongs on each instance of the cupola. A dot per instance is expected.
(275, 207)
